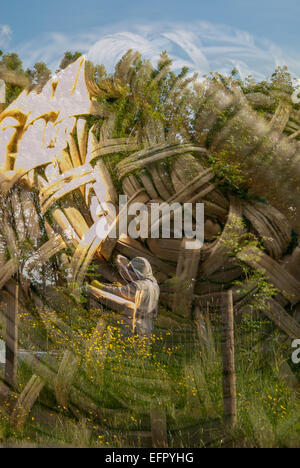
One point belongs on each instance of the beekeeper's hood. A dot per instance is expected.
(138, 265)
(142, 268)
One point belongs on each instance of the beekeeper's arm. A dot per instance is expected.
(127, 291)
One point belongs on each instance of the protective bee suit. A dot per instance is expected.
(141, 288)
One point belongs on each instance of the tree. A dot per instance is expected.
(40, 74)
(69, 58)
(281, 80)
(12, 61)
(12, 72)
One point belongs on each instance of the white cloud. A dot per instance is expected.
(111, 48)
(201, 45)
(5, 34)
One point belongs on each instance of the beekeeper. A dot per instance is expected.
(141, 287)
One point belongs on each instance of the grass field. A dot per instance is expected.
(118, 380)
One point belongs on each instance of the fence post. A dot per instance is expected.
(11, 339)
(158, 427)
(229, 377)
(186, 272)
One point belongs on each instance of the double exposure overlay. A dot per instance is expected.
(149, 255)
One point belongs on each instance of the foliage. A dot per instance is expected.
(122, 374)
(68, 58)
(9, 63)
(125, 375)
(40, 74)
(215, 111)
(11, 70)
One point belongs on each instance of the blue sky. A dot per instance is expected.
(207, 35)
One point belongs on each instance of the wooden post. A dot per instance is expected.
(65, 377)
(229, 378)
(158, 427)
(26, 401)
(11, 339)
(186, 272)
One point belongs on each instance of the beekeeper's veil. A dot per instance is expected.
(139, 266)
(139, 271)
(142, 268)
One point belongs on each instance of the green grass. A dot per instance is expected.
(181, 372)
